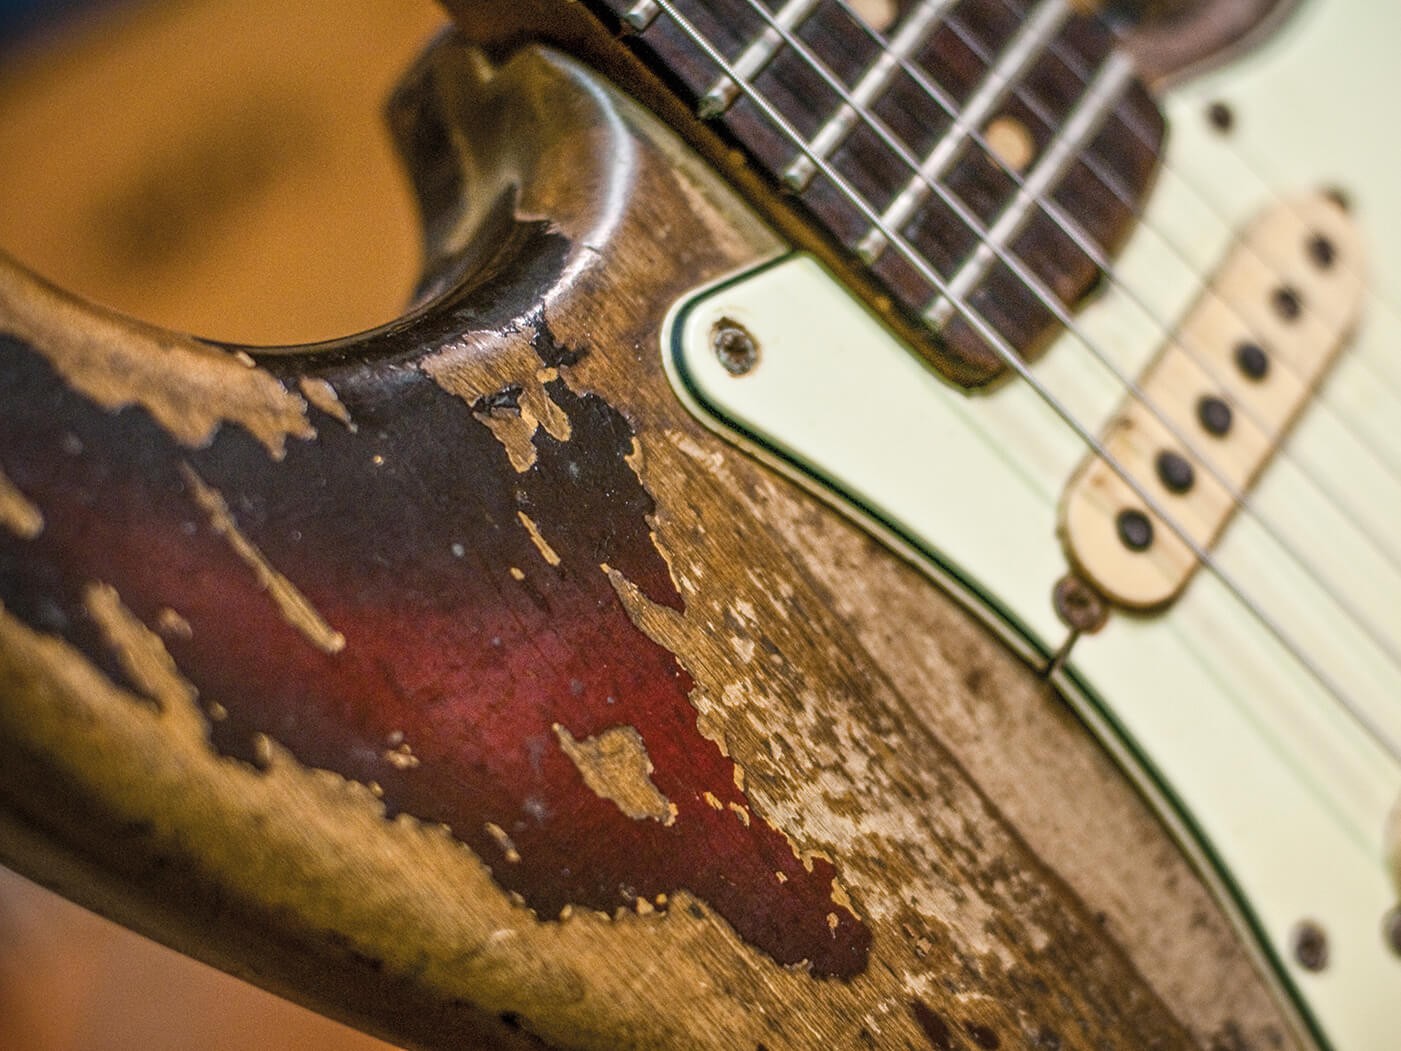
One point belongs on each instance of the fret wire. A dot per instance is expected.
(1382, 640)
(1101, 259)
(1027, 45)
(756, 56)
(912, 34)
(1009, 356)
(641, 15)
(1083, 123)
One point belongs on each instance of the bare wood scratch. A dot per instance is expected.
(118, 362)
(295, 607)
(17, 513)
(537, 538)
(615, 765)
(321, 394)
(478, 372)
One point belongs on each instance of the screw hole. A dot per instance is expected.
(1311, 946)
(734, 347)
(1222, 117)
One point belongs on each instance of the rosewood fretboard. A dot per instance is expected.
(982, 160)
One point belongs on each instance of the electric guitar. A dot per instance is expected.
(472, 679)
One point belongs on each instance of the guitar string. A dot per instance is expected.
(1363, 719)
(1382, 640)
(1378, 543)
(1322, 398)
(1076, 66)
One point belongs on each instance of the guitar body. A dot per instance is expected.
(456, 680)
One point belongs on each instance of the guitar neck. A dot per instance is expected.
(916, 153)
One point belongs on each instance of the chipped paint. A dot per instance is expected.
(435, 643)
(143, 656)
(116, 362)
(837, 757)
(616, 767)
(841, 898)
(17, 514)
(169, 622)
(541, 544)
(322, 395)
(507, 390)
(508, 848)
(401, 756)
(295, 607)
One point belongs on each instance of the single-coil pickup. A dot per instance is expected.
(1215, 403)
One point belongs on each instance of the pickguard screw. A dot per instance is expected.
(1135, 529)
(1310, 946)
(1391, 927)
(1222, 117)
(1079, 606)
(735, 347)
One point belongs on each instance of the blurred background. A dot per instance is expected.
(219, 167)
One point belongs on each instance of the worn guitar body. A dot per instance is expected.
(457, 680)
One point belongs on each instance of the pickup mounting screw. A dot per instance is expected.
(1310, 946)
(1214, 416)
(1252, 360)
(1135, 529)
(1288, 304)
(1175, 472)
(1078, 605)
(735, 347)
(1322, 251)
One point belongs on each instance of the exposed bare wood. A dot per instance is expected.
(17, 514)
(616, 766)
(118, 362)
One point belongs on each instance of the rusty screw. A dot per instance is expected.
(1079, 606)
(1311, 946)
(735, 347)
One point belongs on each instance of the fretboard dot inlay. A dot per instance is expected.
(1011, 143)
(878, 14)
(978, 162)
